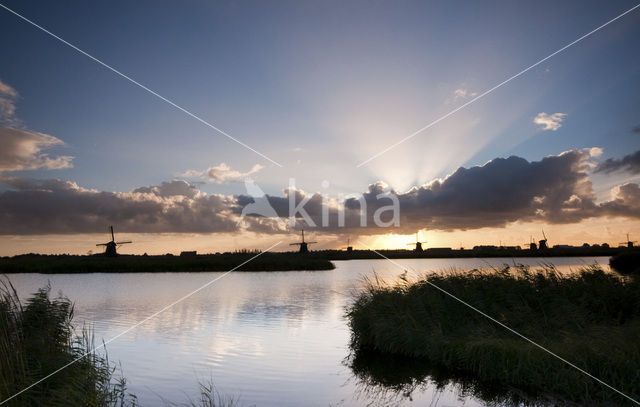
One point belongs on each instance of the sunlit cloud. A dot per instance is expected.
(462, 93)
(8, 97)
(23, 150)
(221, 174)
(549, 121)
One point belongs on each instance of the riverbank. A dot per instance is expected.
(591, 319)
(477, 252)
(53, 264)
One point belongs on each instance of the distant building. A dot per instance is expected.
(484, 247)
(188, 253)
(564, 246)
(439, 250)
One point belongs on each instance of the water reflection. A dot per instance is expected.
(388, 380)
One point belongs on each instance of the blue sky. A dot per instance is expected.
(318, 87)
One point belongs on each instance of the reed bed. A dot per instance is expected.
(36, 339)
(591, 319)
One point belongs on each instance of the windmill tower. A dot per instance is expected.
(110, 247)
(304, 246)
(542, 244)
(532, 245)
(349, 248)
(418, 244)
(628, 243)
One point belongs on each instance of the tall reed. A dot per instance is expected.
(36, 339)
(591, 319)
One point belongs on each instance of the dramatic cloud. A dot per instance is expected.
(549, 121)
(221, 174)
(553, 190)
(8, 96)
(55, 206)
(629, 163)
(625, 203)
(22, 150)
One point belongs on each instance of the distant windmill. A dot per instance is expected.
(542, 244)
(532, 245)
(349, 248)
(110, 247)
(628, 243)
(304, 246)
(418, 244)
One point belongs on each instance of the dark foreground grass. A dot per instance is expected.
(591, 319)
(626, 263)
(35, 340)
(34, 263)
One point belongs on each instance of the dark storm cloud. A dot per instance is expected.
(555, 189)
(55, 206)
(629, 163)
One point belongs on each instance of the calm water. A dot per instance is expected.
(272, 338)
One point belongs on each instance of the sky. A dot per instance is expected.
(316, 89)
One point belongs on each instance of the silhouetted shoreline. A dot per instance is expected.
(479, 252)
(273, 261)
(53, 264)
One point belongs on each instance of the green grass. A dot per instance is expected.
(591, 319)
(35, 263)
(37, 339)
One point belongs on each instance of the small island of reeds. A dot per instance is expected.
(591, 319)
(50, 264)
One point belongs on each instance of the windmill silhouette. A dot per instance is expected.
(110, 247)
(349, 248)
(531, 244)
(542, 244)
(629, 243)
(418, 244)
(304, 246)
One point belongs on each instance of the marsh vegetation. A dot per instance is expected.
(591, 319)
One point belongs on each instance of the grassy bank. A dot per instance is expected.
(33, 263)
(591, 319)
(37, 339)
